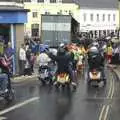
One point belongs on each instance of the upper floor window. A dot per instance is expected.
(98, 17)
(53, 1)
(35, 30)
(109, 17)
(27, 0)
(59, 1)
(40, 0)
(103, 17)
(84, 17)
(114, 17)
(91, 17)
(35, 14)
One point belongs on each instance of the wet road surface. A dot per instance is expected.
(34, 102)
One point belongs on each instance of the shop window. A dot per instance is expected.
(35, 30)
(35, 14)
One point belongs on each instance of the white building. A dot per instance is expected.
(99, 21)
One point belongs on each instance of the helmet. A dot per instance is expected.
(61, 51)
(44, 48)
(95, 44)
(93, 49)
(62, 45)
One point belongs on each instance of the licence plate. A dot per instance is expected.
(94, 76)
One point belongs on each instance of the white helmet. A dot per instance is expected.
(93, 49)
(62, 45)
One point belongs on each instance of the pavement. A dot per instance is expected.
(23, 78)
(26, 78)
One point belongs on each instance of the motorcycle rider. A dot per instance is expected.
(4, 65)
(63, 62)
(96, 60)
(43, 59)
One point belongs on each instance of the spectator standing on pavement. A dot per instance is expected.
(33, 59)
(22, 59)
(28, 63)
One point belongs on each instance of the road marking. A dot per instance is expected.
(3, 118)
(105, 109)
(106, 113)
(18, 105)
(112, 92)
(102, 112)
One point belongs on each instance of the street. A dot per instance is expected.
(33, 101)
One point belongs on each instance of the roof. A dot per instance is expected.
(95, 3)
(12, 8)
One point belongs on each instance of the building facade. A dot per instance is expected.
(99, 21)
(33, 27)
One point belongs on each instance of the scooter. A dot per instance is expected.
(63, 80)
(95, 78)
(44, 75)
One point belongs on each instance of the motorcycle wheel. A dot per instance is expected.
(9, 96)
(43, 82)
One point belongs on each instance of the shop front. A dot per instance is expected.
(12, 30)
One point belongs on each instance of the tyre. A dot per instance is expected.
(43, 82)
(9, 96)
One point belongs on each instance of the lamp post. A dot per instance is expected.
(119, 19)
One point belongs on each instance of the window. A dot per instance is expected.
(53, 1)
(103, 17)
(109, 17)
(27, 0)
(40, 0)
(47, 13)
(70, 12)
(84, 17)
(35, 30)
(91, 17)
(35, 15)
(114, 17)
(59, 1)
(98, 17)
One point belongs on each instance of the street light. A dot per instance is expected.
(119, 19)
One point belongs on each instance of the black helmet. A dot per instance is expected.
(61, 51)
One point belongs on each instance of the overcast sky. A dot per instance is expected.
(98, 3)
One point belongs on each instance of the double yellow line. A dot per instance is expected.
(105, 108)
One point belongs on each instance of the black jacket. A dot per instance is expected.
(63, 61)
(95, 61)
